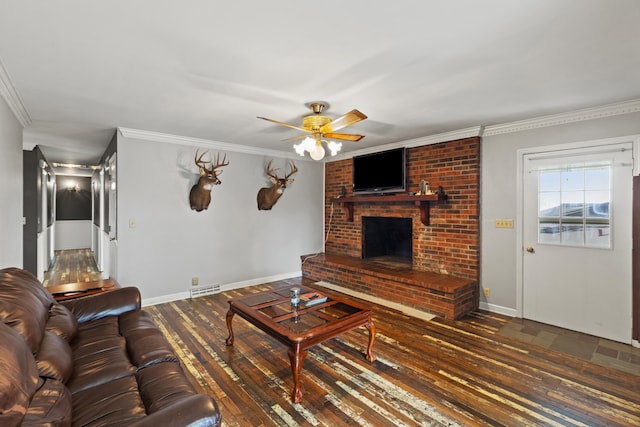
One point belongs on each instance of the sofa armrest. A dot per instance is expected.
(198, 410)
(112, 303)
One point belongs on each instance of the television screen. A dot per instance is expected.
(383, 172)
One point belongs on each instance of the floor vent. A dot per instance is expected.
(200, 291)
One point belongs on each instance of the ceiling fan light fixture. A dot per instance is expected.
(317, 152)
(334, 147)
(315, 149)
(306, 144)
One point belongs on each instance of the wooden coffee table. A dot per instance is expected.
(302, 327)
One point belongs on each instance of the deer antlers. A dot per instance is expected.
(202, 165)
(271, 171)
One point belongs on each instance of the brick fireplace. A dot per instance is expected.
(441, 276)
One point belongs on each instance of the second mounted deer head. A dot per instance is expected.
(268, 196)
(200, 194)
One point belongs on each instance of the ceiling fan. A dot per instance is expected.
(317, 127)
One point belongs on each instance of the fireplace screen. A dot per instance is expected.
(391, 238)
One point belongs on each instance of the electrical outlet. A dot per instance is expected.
(487, 292)
(194, 281)
(504, 223)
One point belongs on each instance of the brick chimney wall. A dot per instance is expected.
(451, 243)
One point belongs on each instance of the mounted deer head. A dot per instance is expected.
(200, 194)
(268, 196)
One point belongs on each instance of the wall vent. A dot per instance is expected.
(200, 291)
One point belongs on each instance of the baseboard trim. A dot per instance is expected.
(226, 287)
(493, 308)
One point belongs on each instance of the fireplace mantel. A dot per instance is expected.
(423, 203)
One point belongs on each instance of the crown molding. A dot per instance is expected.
(216, 145)
(626, 107)
(11, 97)
(416, 142)
(444, 137)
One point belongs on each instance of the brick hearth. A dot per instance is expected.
(439, 294)
(445, 253)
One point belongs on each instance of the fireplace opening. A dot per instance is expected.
(387, 239)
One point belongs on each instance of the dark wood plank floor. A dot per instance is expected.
(485, 369)
(434, 372)
(72, 266)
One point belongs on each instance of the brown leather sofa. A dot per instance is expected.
(92, 361)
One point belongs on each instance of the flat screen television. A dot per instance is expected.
(380, 173)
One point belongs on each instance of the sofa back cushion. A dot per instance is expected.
(19, 378)
(54, 358)
(50, 406)
(24, 304)
(62, 322)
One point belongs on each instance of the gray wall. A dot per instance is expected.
(10, 188)
(231, 242)
(499, 195)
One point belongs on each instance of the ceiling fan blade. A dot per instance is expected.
(343, 136)
(353, 116)
(284, 124)
(295, 138)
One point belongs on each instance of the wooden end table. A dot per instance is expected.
(81, 289)
(300, 327)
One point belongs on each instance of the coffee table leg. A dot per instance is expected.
(297, 357)
(372, 336)
(230, 314)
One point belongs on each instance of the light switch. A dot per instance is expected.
(504, 223)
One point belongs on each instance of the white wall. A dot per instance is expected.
(73, 234)
(10, 188)
(231, 242)
(499, 195)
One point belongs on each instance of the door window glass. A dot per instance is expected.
(573, 205)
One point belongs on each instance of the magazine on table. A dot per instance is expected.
(312, 298)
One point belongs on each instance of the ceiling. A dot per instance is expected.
(205, 69)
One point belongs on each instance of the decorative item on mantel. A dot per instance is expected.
(200, 194)
(424, 188)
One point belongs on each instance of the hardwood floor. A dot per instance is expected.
(485, 369)
(434, 372)
(72, 266)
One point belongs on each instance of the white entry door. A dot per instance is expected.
(577, 208)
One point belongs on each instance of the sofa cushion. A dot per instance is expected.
(99, 354)
(54, 358)
(163, 384)
(24, 304)
(96, 330)
(18, 376)
(136, 320)
(62, 322)
(146, 344)
(50, 406)
(100, 362)
(116, 403)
